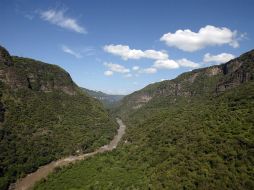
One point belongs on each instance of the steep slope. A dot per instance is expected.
(44, 116)
(108, 100)
(198, 83)
(193, 132)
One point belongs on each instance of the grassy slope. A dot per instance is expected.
(199, 144)
(40, 127)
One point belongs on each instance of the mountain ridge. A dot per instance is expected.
(202, 81)
(44, 116)
(181, 134)
(18, 72)
(108, 100)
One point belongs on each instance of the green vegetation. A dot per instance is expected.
(189, 135)
(45, 116)
(108, 100)
(197, 145)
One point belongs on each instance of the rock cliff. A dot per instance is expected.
(199, 82)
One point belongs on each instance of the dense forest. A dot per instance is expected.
(44, 115)
(193, 132)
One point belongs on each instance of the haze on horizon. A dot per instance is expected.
(119, 47)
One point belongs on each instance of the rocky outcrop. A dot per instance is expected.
(212, 71)
(5, 65)
(46, 78)
(236, 72)
(44, 116)
(17, 72)
(141, 100)
(199, 82)
(5, 57)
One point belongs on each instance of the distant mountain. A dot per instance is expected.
(43, 116)
(108, 100)
(193, 132)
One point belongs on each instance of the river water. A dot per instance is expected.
(28, 181)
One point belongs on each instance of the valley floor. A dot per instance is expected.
(29, 181)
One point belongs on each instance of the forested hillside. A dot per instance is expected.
(44, 116)
(108, 100)
(193, 132)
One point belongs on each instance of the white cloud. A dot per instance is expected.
(187, 63)
(58, 18)
(108, 73)
(187, 40)
(166, 64)
(161, 58)
(71, 52)
(135, 68)
(174, 64)
(149, 70)
(117, 68)
(220, 58)
(153, 54)
(126, 53)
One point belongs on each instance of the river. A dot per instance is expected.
(29, 180)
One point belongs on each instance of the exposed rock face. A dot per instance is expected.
(237, 71)
(5, 64)
(144, 98)
(214, 71)
(5, 57)
(193, 77)
(210, 80)
(46, 79)
(140, 100)
(44, 116)
(19, 72)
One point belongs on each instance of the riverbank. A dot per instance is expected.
(29, 181)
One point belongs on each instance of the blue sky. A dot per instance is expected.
(120, 46)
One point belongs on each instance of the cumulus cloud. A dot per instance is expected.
(126, 53)
(58, 18)
(116, 68)
(71, 52)
(166, 64)
(161, 60)
(187, 63)
(187, 40)
(220, 58)
(153, 54)
(108, 73)
(174, 64)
